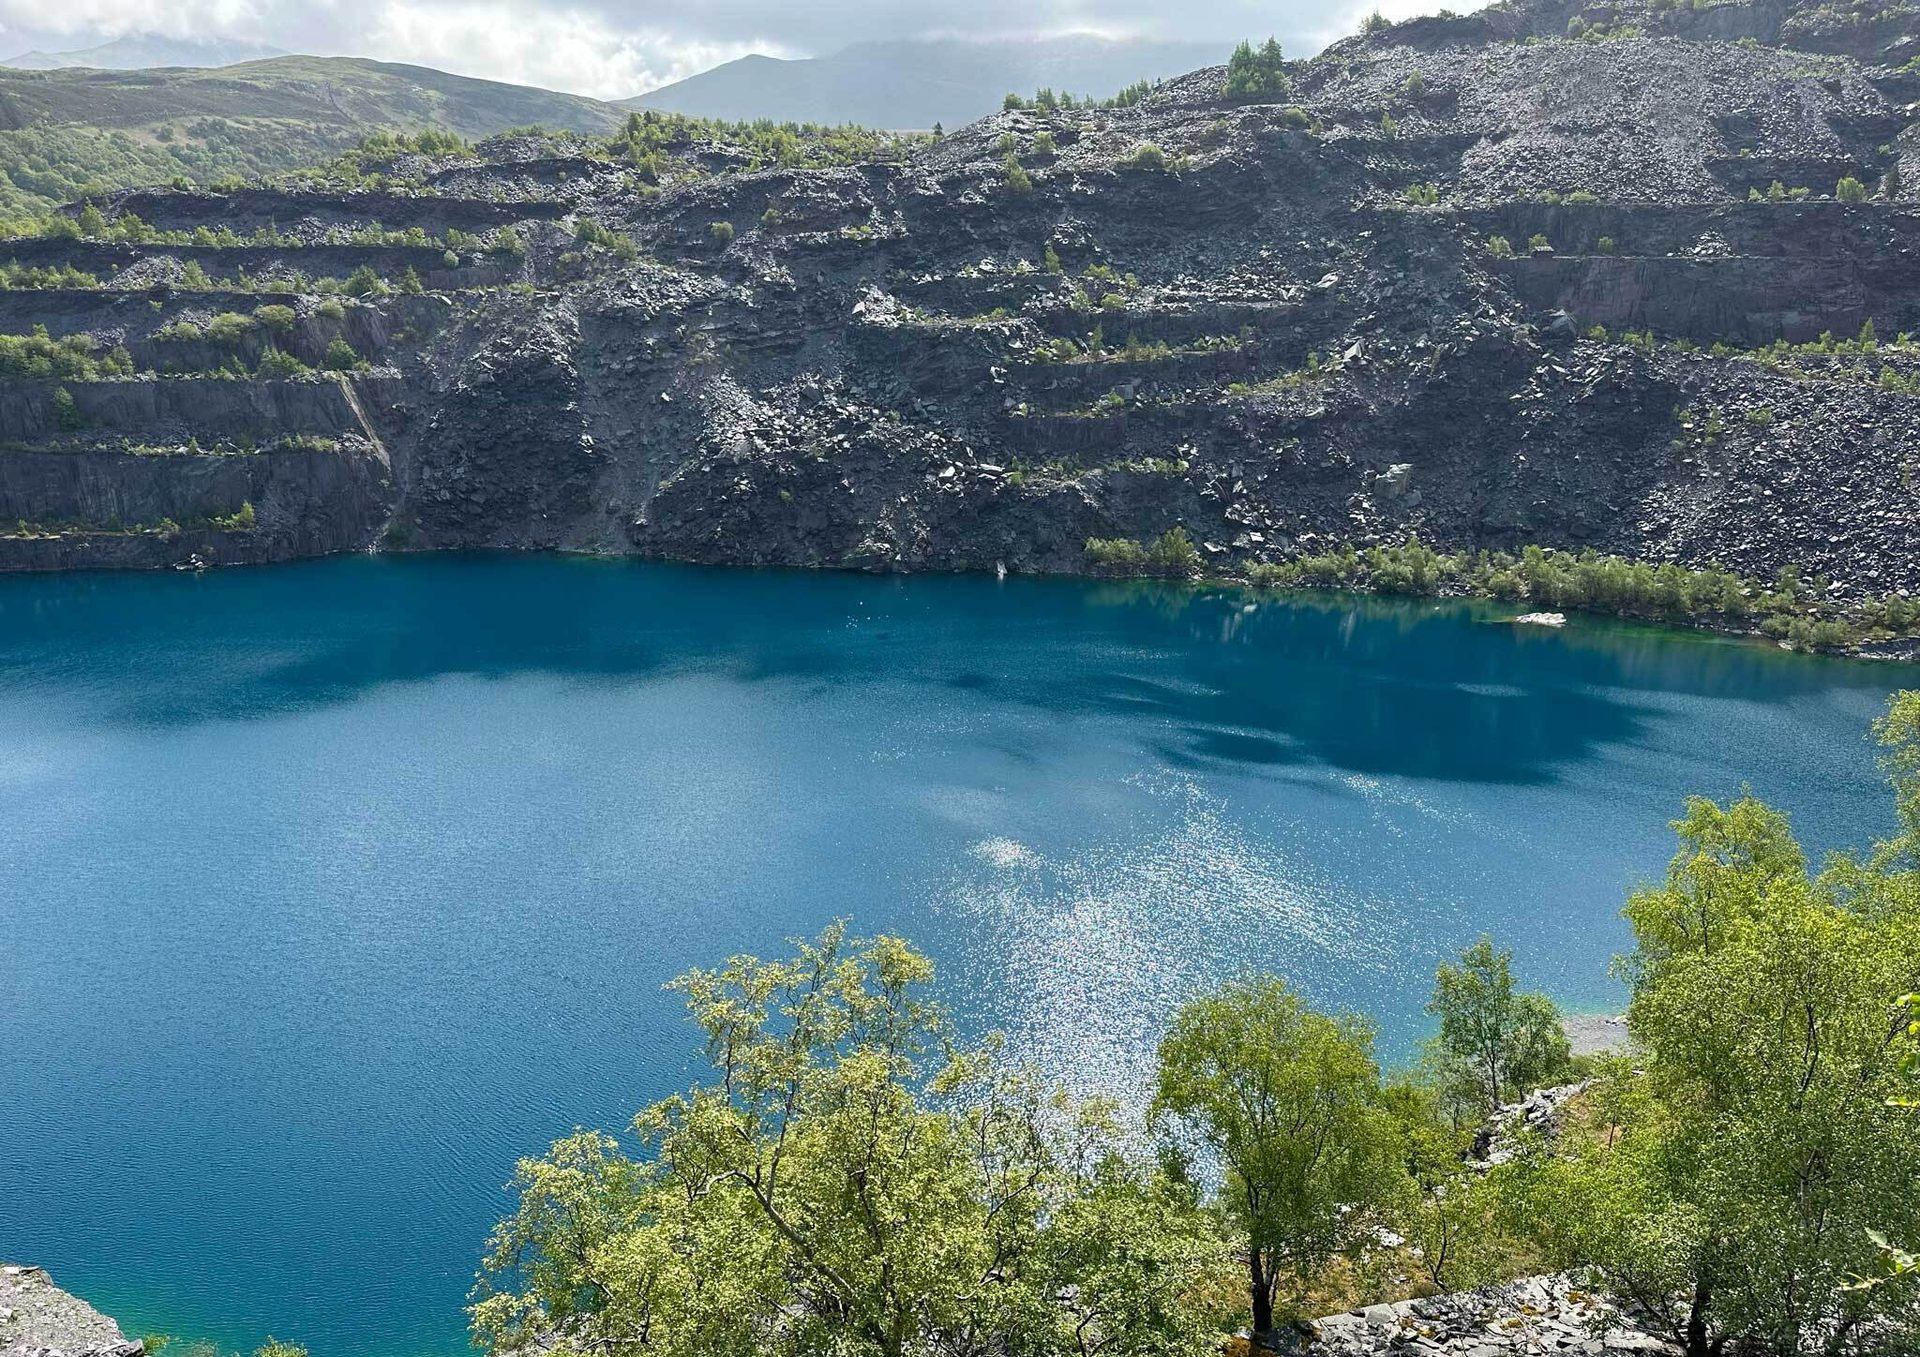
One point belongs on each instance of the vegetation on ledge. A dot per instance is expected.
(1790, 609)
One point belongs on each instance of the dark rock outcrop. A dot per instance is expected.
(1393, 300)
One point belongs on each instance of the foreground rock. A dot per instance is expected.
(38, 1319)
(1532, 1315)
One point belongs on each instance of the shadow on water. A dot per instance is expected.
(1204, 676)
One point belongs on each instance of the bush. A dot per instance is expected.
(229, 328)
(721, 231)
(1850, 190)
(277, 363)
(1146, 156)
(364, 282)
(66, 414)
(1604, 245)
(1018, 180)
(1499, 247)
(340, 357)
(240, 520)
(330, 310)
(1171, 553)
(276, 318)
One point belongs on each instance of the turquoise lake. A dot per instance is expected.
(326, 890)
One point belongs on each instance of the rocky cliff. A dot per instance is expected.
(38, 1319)
(1469, 277)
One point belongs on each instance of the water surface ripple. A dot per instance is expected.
(326, 890)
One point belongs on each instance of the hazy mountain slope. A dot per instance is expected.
(137, 51)
(71, 133)
(916, 83)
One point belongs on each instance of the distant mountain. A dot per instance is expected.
(72, 133)
(143, 49)
(914, 83)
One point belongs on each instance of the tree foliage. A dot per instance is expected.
(1758, 1147)
(1500, 1040)
(849, 1179)
(1285, 1102)
(1257, 72)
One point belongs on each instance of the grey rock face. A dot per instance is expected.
(1530, 1316)
(1296, 333)
(38, 1319)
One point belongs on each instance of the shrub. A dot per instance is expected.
(1375, 22)
(1043, 144)
(277, 363)
(1146, 156)
(1050, 260)
(721, 231)
(340, 357)
(1388, 126)
(240, 520)
(229, 328)
(1499, 247)
(330, 310)
(66, 414)
(363, 282)
(1604, 244)
(1171, 553)
(1018, 180)
(1850, 190)
(1539, 243)
(279, 319)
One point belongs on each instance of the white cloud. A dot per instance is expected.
(613, 48)
(529, 44)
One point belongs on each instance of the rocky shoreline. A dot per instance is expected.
(38, 1319)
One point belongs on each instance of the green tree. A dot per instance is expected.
(1286, 1102)
(1257, 73)
(1758, 1147)
(1505, 1041)
(1850, 190)
(848, 1179)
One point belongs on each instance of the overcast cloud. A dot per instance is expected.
(610, 49)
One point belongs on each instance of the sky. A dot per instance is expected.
(611, 49)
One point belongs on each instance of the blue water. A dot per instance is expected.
(327, 890)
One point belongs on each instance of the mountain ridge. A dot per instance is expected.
(916, 83)
(144, 50)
